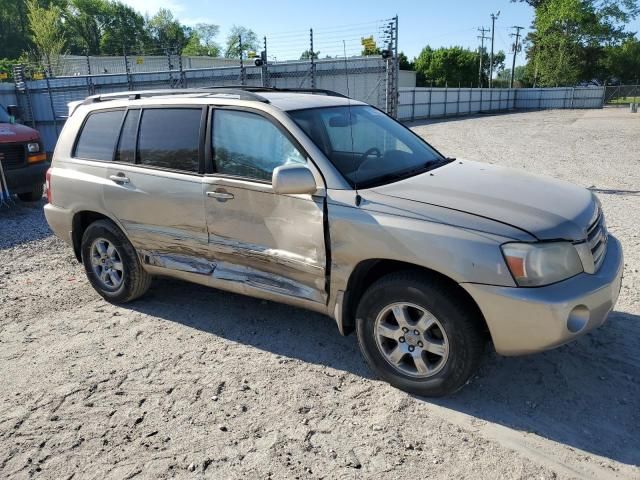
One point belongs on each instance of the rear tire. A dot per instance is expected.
(34, 195)
(111, 263)
(418, 335)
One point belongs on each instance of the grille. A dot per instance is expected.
(597, 237)
(12, 156)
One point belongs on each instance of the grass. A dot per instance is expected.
(620, 100)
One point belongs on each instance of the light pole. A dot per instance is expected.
(494, 17)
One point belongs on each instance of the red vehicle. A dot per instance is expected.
(22, 156)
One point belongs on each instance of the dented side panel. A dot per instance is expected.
(161, 212)
(267, 239)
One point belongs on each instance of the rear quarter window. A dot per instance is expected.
(99, 135)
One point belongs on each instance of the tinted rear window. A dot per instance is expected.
(170, 138)
(99, 135)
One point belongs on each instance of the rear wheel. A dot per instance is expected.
(111, 263)
(418, 335)
(34, 195)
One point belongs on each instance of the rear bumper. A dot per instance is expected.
(527, 320)
(60, 220)
(23, 180)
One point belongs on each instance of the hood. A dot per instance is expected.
(16, 133)
(546, 208)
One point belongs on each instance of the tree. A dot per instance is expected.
(454, 66)
(84, 22)
(622, 62)
(404, 63)
(124, 30)
(249, 42)
(570, 38)
(166, 31)
(308, 54)
(46, 32)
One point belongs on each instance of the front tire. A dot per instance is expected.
(418, 335)
(111, 263)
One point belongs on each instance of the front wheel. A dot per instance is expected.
(418, 335)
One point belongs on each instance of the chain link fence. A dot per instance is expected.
(359, 60)
(621, 95)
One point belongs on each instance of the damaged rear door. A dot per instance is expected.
(266, 241)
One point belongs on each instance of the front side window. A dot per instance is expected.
(170, 138)
(366, 146)
(248, 145)
(99, 135)
(4, 116)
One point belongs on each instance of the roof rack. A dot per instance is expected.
(241, 92)
(234, 92)
(247, 88)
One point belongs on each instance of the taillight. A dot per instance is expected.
(48, 185)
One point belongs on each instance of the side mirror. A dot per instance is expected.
(293, 179)
(14, 113)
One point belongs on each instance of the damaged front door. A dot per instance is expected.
(267, 241)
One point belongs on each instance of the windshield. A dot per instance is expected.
(366, 146)
(4, 116)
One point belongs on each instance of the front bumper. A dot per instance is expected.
(23, 180)
(527, 320)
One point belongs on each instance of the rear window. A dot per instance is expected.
(99, 135)
(170, 138)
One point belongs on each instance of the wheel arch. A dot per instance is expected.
(369, 271)
(82, 220)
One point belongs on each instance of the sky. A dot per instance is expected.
(421, 22)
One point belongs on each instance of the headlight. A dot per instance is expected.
(33, 147)
(536, 264)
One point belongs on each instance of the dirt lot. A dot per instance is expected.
(191, 382)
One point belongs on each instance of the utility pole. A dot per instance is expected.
(482, 38)
(494, 17)
(515, 52)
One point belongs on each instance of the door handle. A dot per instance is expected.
(220, 195)
(119, 178)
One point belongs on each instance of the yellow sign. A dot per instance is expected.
(4, 76)
(37, 76)
(251, 54)
(139, 60)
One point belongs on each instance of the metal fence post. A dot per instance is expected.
(90, 87)
(53, 109)
(429, 103)
(182, 80)
(446, 99)
(242, 75)
(126, 68)
(265, 68)
(169, 66)
(311, 57)
(413, 105)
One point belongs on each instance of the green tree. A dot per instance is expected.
(166, 31)
(622, 62)
(307, 54)
(454, 66)
(124, 30)
(46, 32)
(249, 42)
(404, 63)
(569, 40)
(85, 21)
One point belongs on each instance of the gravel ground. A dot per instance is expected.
(192, 382)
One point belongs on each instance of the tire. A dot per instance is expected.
(129, 280)
(34, 195)
(446, 352)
